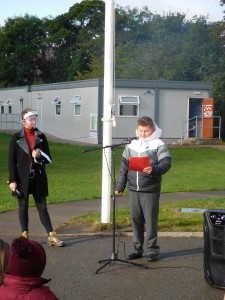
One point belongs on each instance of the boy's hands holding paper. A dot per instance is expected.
(140, 164)
(148, 170)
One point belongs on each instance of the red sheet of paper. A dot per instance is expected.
(139, 163)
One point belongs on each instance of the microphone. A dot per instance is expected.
(18, 194)
(132, 138)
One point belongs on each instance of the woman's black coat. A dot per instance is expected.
(20, 162)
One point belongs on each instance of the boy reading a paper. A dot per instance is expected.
(144, 161)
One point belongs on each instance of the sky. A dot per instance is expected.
(44, 8)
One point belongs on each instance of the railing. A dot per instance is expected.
(195, 130)
(10, 122)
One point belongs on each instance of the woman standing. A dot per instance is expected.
(28, 154)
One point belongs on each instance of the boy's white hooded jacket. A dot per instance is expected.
(160, 162)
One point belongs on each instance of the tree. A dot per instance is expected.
(21, 50)
(86, 21)
(58, 49)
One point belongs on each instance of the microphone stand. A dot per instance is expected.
(114, 257)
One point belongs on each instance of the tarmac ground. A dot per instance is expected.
(178, 274)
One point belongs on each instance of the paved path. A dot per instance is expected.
(178, 275)
(63, 212)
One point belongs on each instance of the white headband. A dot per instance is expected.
(30, 113)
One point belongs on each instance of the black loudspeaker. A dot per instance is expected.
(214, 248)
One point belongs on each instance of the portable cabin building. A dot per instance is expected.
(74, 110)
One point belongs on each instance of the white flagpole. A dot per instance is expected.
(107, 112)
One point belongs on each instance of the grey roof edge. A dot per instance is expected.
(164, 84)
(68, 85)
(60, 85)
(126, 83)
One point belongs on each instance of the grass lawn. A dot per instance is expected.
(75, 175)
(170, 217)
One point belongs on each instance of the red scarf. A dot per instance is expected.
(30, 137)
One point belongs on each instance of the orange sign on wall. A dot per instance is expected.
(207, 114)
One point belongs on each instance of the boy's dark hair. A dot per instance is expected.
(145, 121)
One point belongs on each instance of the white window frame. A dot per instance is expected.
(9, 104)
(129, 100)
(2, 109)
(57, 102)
(2, 103)
(77, 110)
(58, 109)
(76, 100)
(93, 122)
(9, 109)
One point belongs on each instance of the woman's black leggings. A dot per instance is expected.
(42, 209)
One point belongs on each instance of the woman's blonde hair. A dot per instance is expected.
(26, 110)
(4, 252)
